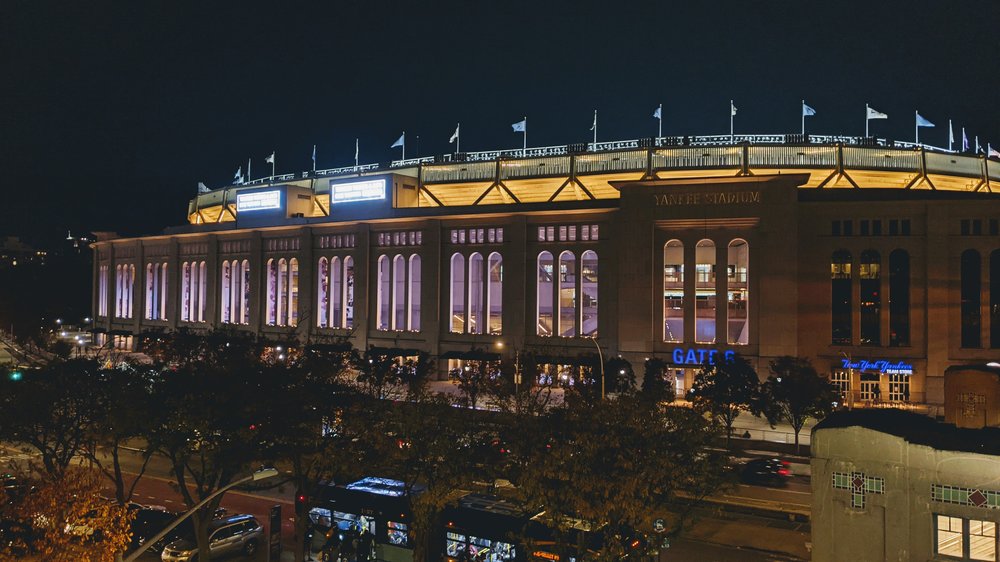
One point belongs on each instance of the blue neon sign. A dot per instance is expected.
(695, 356)
(882, 366)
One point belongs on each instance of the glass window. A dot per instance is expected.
(544, 287)
(323, 293)
(977, 227)
(673, 291)
(899, 387)
(293, 292)
(476, 293)
(840, 293)
(835, 228)
(738, 292)
(899, 298)
(272, 293)
(348, 292)
(414, 290)
(705, 302)
(457, 297)
(982, 540)
(870, 298)
(399, 293)
(971, 299)
(905, 227)
(567, 294)
(541, 234)
(848, 228)
(494, 298)
(842, 380)
(562, 233)
(588, 293)
(876, 228)
(336, 288)
(949, 536)
(550, 233)
(382, 297)
(864, 228)
(893, 227)
(964, 227)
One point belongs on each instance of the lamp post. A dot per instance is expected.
(850, 381)
(259, 475)
(600, 357)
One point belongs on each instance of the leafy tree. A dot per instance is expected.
(475, 379)
(65, 520)
(620, 378)
(725, 390)
(655, 387)
(52, 411)
(378, 372)
(795, 392)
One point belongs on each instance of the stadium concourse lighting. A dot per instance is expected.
(259, 475)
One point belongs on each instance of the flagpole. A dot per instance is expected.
(248, 170)
(916, 127)
(404, 145)
(524, 145)
(356, 152)
(951, 136)
(595, 130)
(803, 117)
(730, 121)
(458, 138)
(660, 131)
(314, 158)
(867, 112)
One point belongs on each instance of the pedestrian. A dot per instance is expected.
(366, 546)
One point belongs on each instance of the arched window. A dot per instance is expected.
(840, 297)
(673, 291)
(348, 292)
(567, 295)
(971, 299)
(282, 292)
(995, 299)
(705, 301)
(588, 293)
(476, 293)
(151, 280)
(382, 295)
(494, 294)
(226, 295)
(202, 289)
(293, 292)
(102, 291)
(323, 293)
(336, 288)
(899, 298)
(413, 321)
(163, 291)
(131, 290)
(544, 293)
(245, 290)
(870, 297)
(738, 292)
(456, 300)
(186, 292)
(399, 293)
(272, 292)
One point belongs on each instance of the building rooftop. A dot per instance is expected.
(917, 429)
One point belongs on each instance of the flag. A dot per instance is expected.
(807, 111)
(658, 114)
(594, 126)
(202, 188)
(732, 108)
(992, 152)
(270, 159)
(521, 126)
(873, 114)
(400, 141)
(921, 122)
(314, 154)
(454, 135)
(238, 176)
(951, 134)
(965, 141)
(977, 144)
(356, 150)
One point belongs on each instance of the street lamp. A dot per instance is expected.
(600, 357)
(259, 475)
(850, 381)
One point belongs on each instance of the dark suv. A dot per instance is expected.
(229, 535)
(765, 472)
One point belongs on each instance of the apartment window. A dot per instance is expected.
(965, 539)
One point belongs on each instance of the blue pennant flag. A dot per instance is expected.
(807, 111)
(921, 122)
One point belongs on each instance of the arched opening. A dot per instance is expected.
(323, 293)
(588, 293)
(899, 298)
(494, 293)
(382, 296)
(841, 317)
(272, 292)
(476, 294)
(348, 292)
(225, 297)
(456, 300)
(673, 291)
(567, 295)
(544, 292)
(336, 297)
(870, 297)
(705, 301)
(293, 292)
(413, 320)
(971, 299)
(738, 292)
(399, 293)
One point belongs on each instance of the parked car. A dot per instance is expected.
(148, 522)
(766, 472)
(229, 535)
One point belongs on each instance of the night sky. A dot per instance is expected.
(111, 115)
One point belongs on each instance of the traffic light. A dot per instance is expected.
(301, 503)
(15, 375)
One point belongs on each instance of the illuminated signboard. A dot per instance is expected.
(882, 366)
(258, 201)
(693, 356)
(367, 190)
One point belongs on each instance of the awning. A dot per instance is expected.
(119, 332)
(580, 361)
(392, 351)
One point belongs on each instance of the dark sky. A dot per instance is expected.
(111, 113)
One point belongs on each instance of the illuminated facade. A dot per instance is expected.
(877, 260)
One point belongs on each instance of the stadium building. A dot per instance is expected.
(878, 260)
